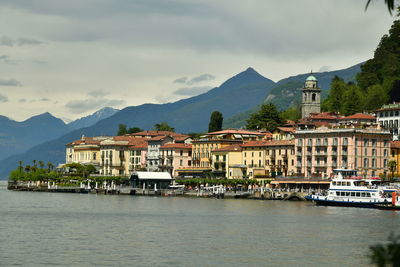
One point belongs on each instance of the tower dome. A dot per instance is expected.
(311, 78)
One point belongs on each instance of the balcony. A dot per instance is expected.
(344, 152)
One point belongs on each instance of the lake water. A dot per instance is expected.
(39, 229)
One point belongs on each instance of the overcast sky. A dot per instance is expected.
(73, 57)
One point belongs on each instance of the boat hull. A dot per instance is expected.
(326, 202)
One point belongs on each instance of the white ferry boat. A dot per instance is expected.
(349, 190)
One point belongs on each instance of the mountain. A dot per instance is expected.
(17, 137)
(286, 92)
(239, 93)
(93, 118)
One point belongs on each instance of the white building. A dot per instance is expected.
(389, 117)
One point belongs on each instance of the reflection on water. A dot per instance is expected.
(82, 230)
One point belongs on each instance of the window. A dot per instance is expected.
(365, 142)
(313, 97)
(365, 163)
(181, 152)
(373, 142)
(259, 154)
(345, 141)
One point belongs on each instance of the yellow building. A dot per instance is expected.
(227, 162)
(283, 133)
(269, 158)
(84, 151)
(395, 155)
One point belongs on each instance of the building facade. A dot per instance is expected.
(389, 117)
(227, 162)
(175, 156)
(320, 151)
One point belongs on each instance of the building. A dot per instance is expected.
(269, 158)
(311, 97)
(389, 117)
(84, 151)
(227, 162)
(395, 155)
(359, 119)
(283, 133)
(154, 159)
(175, 156)
(321, 150)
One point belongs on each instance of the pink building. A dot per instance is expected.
(175, 156)
(321, 150)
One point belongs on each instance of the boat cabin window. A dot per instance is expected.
(347, 194)
(353, 194)
(348, 184)
(358, 194)
(333, 183)
(363, 194)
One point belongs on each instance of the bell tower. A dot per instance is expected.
(311, 97)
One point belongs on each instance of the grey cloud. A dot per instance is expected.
(5, 59)
(44, 99)
(197, 79)
(181, 80)
(80, 106)
(22, 100)
(201, 78)
(190, 91)
(6, 41)
(3, 98)
(10, 82)
(325, 68)
(28, 41)
(97, 93)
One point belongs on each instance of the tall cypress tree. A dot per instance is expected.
(216, 120)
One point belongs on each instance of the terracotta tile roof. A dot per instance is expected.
(268, 143)
(360, 116)
(86, 141)
(234, 147)
(324, 116)
(395, 144)
(157, 133)
(255, 143)
(181, 138)
(176, 145)
(235, 131)
(286, 129)
(158, 138)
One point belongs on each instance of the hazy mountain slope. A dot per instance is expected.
(17, 137)
(234, 96)
(93, 118)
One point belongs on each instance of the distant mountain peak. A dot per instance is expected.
(93, 118)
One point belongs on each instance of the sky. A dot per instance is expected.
(72, 58)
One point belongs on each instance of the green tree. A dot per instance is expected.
(375, 98)
(293, 113)
(384, 255)
(122, 129)
(267, 117)
(335, 98)
(392, 166)
(353, 101)
(134, 130)
(163, 126)
(41, 164)
(216, 120)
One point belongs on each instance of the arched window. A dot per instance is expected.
(313, 97)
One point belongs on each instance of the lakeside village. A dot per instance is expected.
(291, 162)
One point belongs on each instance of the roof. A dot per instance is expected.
(311, 78)
(157, 133)
(235, 131)
(88, 141)
(359, 116)
(231, 148)
(268, 143)
(324, 116)
(152, 175)
(286, 129)
(177, 145)
(158, 138)
(395, 144)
